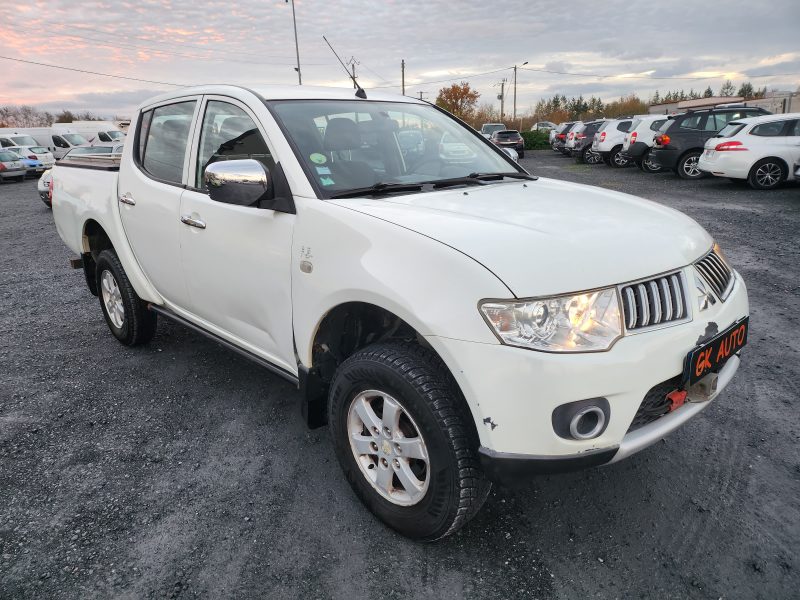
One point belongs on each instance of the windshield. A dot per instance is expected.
(74, 139)
(38, 149)
(347, 145)
(23, 140)
(115, 135)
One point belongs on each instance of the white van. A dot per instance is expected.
(94, 131)
(58, 140)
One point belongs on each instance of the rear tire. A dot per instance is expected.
(126, 314)
(647, 165)
(448, 486)
(617, 160)
(767, 174)
(687, 166)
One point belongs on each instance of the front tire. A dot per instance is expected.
(405, 441)
(126, 314)
(766, 174)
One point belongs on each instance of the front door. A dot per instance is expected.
(236, 259)
(150, 194)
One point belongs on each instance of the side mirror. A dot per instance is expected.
(247, 182)
(240, 182)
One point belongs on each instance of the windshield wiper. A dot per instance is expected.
(379, 188)
(480, 179)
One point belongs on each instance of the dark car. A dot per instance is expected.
(582, 150)
(560, 137)
(680, 141)
(509, 138)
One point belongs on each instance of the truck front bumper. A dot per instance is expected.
(512, 392)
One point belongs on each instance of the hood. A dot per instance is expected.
(547, 236)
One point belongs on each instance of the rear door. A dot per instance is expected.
(237, 259)
(150, 186)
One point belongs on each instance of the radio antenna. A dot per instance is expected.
(360, 93)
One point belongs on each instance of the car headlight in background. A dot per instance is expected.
(583, 322)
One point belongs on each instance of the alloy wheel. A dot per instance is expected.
(592, 157)
(112, 299)
(388, 447)
(690, 166)
(769, 175)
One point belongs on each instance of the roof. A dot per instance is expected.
(285, 92)
(768, 118)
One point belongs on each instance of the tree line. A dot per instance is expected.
(28, 116)
(463, 101)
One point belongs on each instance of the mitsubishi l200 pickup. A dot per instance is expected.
(453, 319)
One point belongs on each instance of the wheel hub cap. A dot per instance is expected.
(388, 447)
(112, 299)
(768, 175)
(690, 167)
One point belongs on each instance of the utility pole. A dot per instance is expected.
(502, 97)
(296, 46)
(403, 74)
(420, 95)
(514, 118)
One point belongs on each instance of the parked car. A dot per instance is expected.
(11, 166)
(58, 140)
(569, 143)
(43, 187)
(609, 139)
(431, 314)
(560, 137)
(543, 126)
(40, 153)
(761, 150)
(487, 129)
(512, 154)
(32, 165)
(94, 131)
(679, 143)
(509, 138)
(639, 140)
(582, 149)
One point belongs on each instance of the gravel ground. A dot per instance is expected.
(182, 470)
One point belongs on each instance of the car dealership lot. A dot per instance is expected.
(179, 469)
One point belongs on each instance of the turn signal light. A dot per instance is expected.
(730, 147)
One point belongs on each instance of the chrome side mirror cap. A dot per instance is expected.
(242, 182)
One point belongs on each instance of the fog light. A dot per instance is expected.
(581, 420)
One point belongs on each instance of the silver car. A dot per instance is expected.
(11, 166)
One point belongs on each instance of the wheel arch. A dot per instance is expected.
(345, 329)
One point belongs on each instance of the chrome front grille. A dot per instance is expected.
(654, 301)
(716, 272)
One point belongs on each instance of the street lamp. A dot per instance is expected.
(515, 89)
(296, 46)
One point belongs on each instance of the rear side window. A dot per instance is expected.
(773, 129)
(167, 141)
(730, 130)
(691, 122)
(623, 126)
(794, 130)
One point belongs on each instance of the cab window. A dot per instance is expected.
(228, 133)
(166, 141)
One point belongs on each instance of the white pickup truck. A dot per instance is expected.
(453, 319)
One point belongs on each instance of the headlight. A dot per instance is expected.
(576, 323)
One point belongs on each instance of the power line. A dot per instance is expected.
(31, 62)
(600, 76)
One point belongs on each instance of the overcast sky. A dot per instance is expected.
(252, 41)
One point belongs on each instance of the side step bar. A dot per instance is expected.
(256, 359)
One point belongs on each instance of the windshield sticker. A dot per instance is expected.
(323, 170)
(326, 181)
(318, 158)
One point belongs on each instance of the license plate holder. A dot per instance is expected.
(711, 355)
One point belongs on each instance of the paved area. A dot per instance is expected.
(181, 470)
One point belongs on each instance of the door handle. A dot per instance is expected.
(188, 220)
(126, 198)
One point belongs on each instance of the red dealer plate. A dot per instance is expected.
(710, 356)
